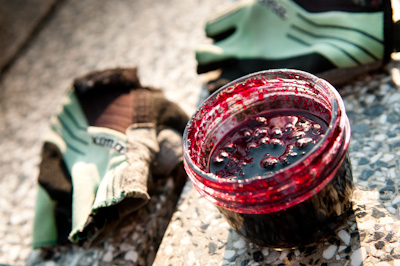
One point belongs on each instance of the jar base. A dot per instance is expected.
(304, 224)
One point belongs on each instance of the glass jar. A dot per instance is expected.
(291, 206)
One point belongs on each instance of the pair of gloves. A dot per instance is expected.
(109, 137)
(337, 40)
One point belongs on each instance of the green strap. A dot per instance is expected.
(44, 225)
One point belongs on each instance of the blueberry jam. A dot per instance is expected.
(270, 151)
(266, 143)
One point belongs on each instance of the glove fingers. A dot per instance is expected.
(222, 24)
(172, 116)
(170, 154)
(211, 57)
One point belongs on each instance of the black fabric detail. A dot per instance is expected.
(235, 68)
(115, 99)
(388, 32)
(54, 176)
(340, 5)
(56, 180)
(348, 28)
(222, 35)
(110, 79)
(396, 35)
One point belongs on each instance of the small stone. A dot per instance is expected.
(366, 174)
(383, 263)
(297, 253)
(348, 249)
(391, 210)
(369, 224)
(377, 214)
(372, 250)
(168, 250)
(108, 257)
(244, 262)
(375, 110)
(363, 161)
(229, 254)
(388, 157)
(283, 255)
(49, 263)
(265, 251)
(258, 256)
(379, 244)
(239, 244)
(329, 252)
(389, 236)
(212, 247)
(344, 236)
(396, 200)
(273, 256)
(375, 158)
(358, 256)
(378, 235)
(132, 256)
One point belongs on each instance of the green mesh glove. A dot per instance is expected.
(334, 39)
(98, 155)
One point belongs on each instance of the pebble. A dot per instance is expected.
(241, 243)
(392, 210)
(273, 256)
(396, 200)
(344, 236)
(383, 263)
(358, 256)
(329, 252)
(229, 254)
(131, 256)
(108, 256)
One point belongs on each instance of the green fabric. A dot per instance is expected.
(90, 154)
(44, 225)
(287, 31)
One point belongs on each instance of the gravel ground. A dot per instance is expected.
(158, 37)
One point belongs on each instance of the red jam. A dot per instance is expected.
(270, 151)
(266, 143)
